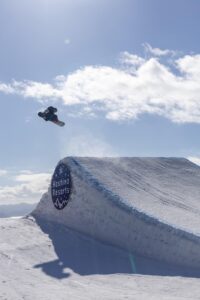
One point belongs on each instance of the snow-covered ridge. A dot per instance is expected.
(146, 205)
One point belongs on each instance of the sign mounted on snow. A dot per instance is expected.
(61, 186)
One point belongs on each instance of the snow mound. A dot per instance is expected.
(149, 206)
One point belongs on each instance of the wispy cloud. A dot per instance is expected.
(38, 90)
(131, 59)
(3, 172)
(67, 41)
(138, 86)
(25, 187)
(157, 51)
(6, 88)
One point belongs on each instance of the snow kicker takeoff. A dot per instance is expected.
(49, 115)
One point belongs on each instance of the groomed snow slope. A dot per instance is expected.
(46, 261)
(149, 206)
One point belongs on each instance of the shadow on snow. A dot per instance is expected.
(86, 256)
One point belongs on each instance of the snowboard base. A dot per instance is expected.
(59, 123)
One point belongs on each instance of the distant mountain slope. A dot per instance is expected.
(16, 210)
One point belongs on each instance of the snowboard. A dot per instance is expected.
(59, 123)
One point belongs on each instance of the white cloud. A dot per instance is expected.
(27, 187)
(24, 172)
(34, 179)
(190, 66)
(37, 90)
(6, 88)
(157, 51)
(131, 59)
(144, 86)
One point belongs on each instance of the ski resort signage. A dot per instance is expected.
(61, 186)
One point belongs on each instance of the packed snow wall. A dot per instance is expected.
(149, 206)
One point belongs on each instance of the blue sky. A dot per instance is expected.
(124, 75)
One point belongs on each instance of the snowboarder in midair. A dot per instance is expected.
(49, 115)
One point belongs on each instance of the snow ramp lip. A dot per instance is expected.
(100, 212)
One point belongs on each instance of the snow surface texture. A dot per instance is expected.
(149, 206)
(46, 261)
(42, 258)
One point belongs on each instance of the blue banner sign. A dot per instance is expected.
(61, 186)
